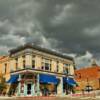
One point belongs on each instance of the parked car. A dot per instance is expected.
(88, 88)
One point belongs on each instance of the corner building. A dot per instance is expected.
(30, 70)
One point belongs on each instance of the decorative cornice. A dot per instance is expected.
(42, 54)
(40, 49)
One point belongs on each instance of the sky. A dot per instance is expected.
(68, 26)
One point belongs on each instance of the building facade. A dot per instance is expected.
(88, 78)
(30, 70)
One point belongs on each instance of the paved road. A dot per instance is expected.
(58, 99)
(49, 98)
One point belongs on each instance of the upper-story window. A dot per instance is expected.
(24, 61)
(79, 75)
(33, 61)
(16, 65)
(75, 75)
(5, 67)
(57, 66)
(65, 70)
(46, 64)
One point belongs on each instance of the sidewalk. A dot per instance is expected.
(68, 97)
(6, 97)
(47, 98)
(98, 97)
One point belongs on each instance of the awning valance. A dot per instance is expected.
(69, 81)
(13, 79)
(44, 78)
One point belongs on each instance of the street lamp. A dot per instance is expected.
(88, 89)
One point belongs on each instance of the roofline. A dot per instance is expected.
(28, 45)
(4, 57)
(86, 68)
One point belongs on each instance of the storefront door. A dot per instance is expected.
(29, 89)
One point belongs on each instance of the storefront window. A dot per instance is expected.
(22, 87)
(48, 89)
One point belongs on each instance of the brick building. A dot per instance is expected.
(88, 77)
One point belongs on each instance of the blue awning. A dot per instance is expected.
(44, 78)
(13, 79)
(69, 81)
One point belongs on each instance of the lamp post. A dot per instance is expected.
(88, 85)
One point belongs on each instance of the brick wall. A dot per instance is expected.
(88, 76)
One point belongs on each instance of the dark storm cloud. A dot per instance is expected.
(72, 26)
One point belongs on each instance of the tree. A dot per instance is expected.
(2, 83)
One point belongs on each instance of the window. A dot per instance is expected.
(75, 75)
(23, 61)
(99, 70)
(43, 65)
(46, 64)
(16, 63)
(33, 61)
(66, 65)
(57, 66)
(66, 71)
(50, 65)
(5, 67)
(79, 75)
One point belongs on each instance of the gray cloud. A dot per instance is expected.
(84, 60)
(72, 26)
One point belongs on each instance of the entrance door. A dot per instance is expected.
(29, 88)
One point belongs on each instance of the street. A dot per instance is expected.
(49, 98)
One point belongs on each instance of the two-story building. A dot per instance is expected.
(88, 78)
(31, 70)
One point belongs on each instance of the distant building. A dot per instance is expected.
(32, 70)
(88, 78)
